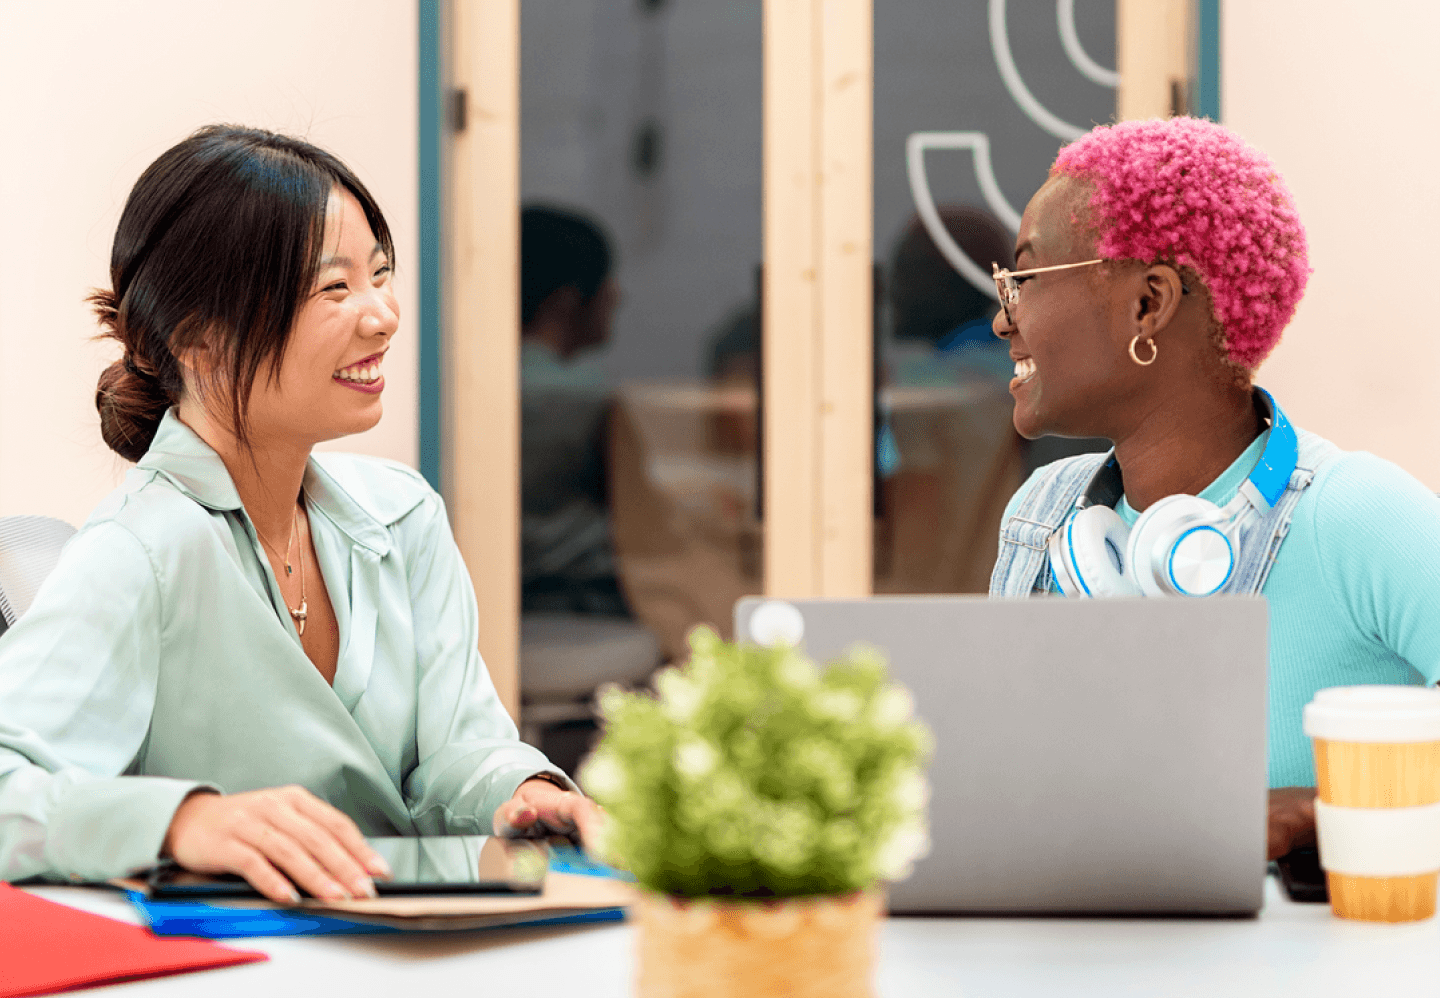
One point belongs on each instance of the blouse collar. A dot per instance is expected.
(192, 465)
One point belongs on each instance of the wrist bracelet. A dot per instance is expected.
(553, 779)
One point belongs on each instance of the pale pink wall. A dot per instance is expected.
(1343, 96)
(94, 91)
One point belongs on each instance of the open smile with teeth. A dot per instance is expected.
(367, 372)
(1024, 369)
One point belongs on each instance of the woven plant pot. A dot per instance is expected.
(813, 947)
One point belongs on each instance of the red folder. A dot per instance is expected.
(47, 947)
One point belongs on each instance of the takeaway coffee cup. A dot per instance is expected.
(1377, 814)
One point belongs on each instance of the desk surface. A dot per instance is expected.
(1291, 949)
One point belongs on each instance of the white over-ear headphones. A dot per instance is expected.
(1181, 546)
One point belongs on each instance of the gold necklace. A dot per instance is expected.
(297, 614)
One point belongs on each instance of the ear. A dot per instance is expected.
(596, 314)
(561, 307)
(1157, 300)
(201, 367)
(197, 360)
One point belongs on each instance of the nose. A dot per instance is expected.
(1002, 325)
(382, 314)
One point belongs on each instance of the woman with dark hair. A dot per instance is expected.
(1157, 267)
(253, 655)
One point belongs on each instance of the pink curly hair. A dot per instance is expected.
(1192, 192)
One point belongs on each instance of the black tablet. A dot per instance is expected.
(438, 864)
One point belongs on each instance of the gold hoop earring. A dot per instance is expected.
(1154, 352)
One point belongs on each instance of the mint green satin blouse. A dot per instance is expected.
(159, 656)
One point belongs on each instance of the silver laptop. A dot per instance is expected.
(1091, 756)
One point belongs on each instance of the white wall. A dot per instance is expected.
(1343, 98)
(95, 90)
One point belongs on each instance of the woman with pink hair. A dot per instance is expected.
(1156, 269)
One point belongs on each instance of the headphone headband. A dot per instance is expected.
(1282, 451)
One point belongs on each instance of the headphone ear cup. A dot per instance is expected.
(1150, 555)
(1087, 554)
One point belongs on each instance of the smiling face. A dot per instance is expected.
(1071, 329)
(330, 379)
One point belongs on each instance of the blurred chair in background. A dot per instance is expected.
(687, 535)
(566, 657)
(29, 548)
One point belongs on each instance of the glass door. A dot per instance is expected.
(639, 341)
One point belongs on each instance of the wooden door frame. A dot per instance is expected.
(817, 304)
(481, 320)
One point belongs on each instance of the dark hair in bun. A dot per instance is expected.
(218, 246)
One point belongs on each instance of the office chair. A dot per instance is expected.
(29, 548)
(565, 657)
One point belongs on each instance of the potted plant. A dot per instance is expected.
(760, 801)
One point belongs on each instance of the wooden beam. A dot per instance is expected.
(482, 324)
(791, 296)
(818, 150)
(1154, 55)
(847, 198)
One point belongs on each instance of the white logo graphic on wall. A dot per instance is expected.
(979, 143)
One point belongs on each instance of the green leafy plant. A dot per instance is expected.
(753, 772)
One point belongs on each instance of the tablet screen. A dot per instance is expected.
(430, 864)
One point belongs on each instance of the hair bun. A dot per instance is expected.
(135, 370)
(131, 404)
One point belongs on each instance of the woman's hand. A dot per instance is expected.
(267, 836)
(540, 808)
(1292, 820)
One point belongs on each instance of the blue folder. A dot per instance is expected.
(218, 921)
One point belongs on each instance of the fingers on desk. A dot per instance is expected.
(279, 839)
(315, 860)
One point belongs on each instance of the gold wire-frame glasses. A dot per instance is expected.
(1009, 289)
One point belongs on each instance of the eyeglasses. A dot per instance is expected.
(1009, 288)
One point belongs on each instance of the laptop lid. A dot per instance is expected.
(1100, 756)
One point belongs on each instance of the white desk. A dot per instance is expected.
(1291, 949)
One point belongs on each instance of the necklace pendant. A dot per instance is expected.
(299, 617)
(288, 570)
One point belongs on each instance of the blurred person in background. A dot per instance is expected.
(947, 455)
(568, 297)
(933, 307)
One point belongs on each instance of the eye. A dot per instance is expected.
(383, 270)
(335, 286)
(1021, 280)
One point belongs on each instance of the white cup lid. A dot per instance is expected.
(1389, 714)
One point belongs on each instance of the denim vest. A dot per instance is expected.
(1023, 565)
